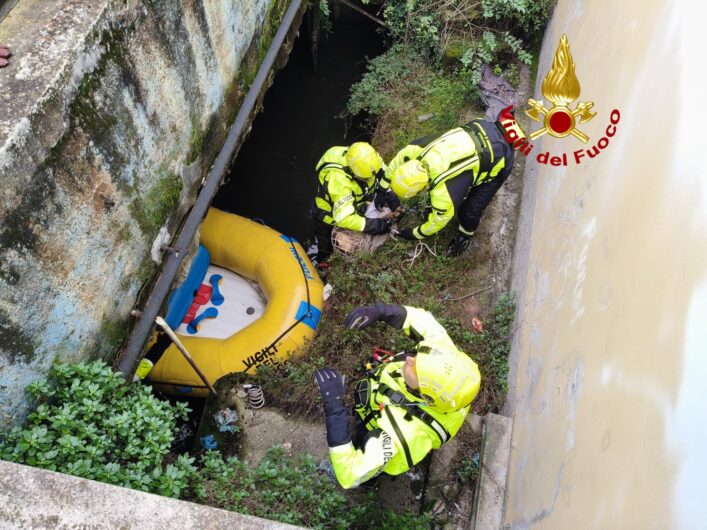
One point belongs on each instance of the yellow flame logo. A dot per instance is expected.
(561, 87)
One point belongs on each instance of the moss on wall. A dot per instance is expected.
(152, 210)
(111, 335)
(21, 227)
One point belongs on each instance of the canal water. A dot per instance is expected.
(273, 176)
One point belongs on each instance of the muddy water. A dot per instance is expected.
(273, 177)
(610, 389)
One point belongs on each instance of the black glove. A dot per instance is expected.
(392, 200)
(363, 316)
(377, 226)
(331, 387)
(386, 198)
(407, 234)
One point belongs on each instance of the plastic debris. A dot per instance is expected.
(226, 420)
(328, 290)
(209, 442)
(477, 326)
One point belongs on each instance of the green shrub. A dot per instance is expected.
(289, 490)
(468, 468)
(492, 29)
(294, 491)
(438, 48)
(496, 343)
(88, 422)
(401, 87)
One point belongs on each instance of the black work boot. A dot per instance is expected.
(458, 245)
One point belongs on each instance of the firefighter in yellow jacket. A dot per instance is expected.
(347, 183)
(463, 169)
(406, 407)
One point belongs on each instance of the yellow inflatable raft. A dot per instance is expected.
(252, 297)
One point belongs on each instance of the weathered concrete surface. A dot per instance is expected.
(37, 499)
(117, 108)
(609, 402)
(491, 485)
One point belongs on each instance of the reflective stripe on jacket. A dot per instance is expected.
(340, 194)
(398, 439)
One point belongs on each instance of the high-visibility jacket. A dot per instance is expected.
(458, 160)
(340, 194)
(402, 428)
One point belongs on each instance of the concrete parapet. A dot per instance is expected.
(33, 498)
(491, 485)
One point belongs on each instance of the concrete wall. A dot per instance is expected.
(609, 388)
(116, 109)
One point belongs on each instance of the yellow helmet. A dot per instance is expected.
(363, 160)
(448, 381)
(409, 179)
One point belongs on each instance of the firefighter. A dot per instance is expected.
(462, 169)
(407, 405)
(347, 183)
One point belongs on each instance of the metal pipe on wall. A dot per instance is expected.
(143, 328)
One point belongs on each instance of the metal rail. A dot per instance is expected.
(143, 328)
(5, 7)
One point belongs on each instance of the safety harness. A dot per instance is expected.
(397, 399)
(489, 150)
(323, 191)
(485, 155)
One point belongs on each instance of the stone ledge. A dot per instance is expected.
(33, 498)
(491, 485)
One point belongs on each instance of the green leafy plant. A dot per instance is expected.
(468, 468)
(495, 342)
(88, 422)
(294, 491)
(434, 63)
(289, 490)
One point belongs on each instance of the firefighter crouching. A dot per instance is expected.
(462, 169)
(406, 407)
(348, 179)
